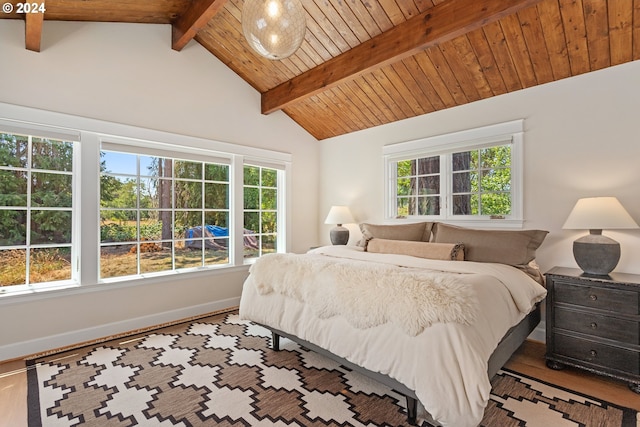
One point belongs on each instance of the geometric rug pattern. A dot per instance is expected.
(518, 400)
(220, 371)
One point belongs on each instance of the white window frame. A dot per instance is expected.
(444, 146)
(89, 135)
(236, 164)
(33, 130)
(187, 155)
(281, 210)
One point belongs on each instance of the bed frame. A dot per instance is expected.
(507, 346)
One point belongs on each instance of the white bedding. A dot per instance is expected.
(446, 364)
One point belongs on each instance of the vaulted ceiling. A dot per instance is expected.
(365, 63)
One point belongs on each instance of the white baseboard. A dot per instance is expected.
(40, 345)
(26, 348)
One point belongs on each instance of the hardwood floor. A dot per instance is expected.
(13, 394)
(529, 360)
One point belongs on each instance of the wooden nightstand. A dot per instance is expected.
(593, 323)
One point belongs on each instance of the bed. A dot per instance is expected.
(435, 330)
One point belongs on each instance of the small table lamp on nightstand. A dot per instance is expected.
(595, 253)
(339, 215)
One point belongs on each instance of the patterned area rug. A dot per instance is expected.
(220, 371)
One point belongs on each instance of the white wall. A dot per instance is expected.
(128, 74)
(582, 138)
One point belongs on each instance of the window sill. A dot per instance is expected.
(6, 293)
(497, 224)
(71, 288)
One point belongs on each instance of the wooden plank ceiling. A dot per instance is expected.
(365, 63)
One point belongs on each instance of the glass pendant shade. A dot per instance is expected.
(274, 28)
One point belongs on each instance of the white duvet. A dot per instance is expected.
(446, 364)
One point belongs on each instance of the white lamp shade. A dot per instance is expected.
(598, 213)
(339, 215)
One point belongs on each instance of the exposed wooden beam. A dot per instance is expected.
(434, 26)
(193, 20)
(33, 30)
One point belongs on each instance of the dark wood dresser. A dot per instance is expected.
(593, 323)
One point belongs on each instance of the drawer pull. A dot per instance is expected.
(593, 353)
(594, 325)
(593, 297)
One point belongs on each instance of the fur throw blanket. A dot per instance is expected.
(365, 293)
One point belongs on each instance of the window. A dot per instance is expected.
(161, 213)
(260, 211)
(482, 181)
(468, 176)
(418, 186)
(82, 208)
(36, 210)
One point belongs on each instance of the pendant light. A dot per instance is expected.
(274, 28)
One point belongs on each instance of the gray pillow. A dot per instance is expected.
(414, 231)
(512, 247)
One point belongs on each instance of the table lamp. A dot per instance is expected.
(597, 254)
(339, 215)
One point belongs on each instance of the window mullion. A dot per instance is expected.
(138, 237)
(28, 225)
(172, 181)
(203, 214)
(281, 212)
(393, 204)
(446, 185)
(236, 217)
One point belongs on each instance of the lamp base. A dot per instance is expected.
(596, 254)
(339, 235)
